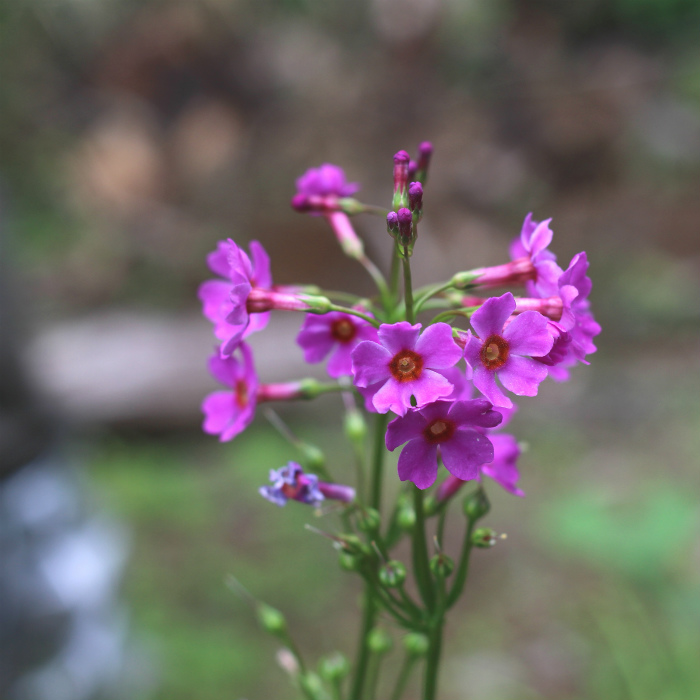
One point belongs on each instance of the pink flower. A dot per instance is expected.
(224, 301)
(228, 413)
(402, 365)
(334, 333)
(506, 349)
(454, 428)
(326, 180)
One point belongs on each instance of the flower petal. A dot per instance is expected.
(485, 381)
(430, 387)
(404, 428)
(370, 363)
(528, 334)
(219, 410)
(261, 277)
(522, 375)
(465, 452)
(399, 336)
(492, 316)
(475, 412)
(418, 463)
(437, 347)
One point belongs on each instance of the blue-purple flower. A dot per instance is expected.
(291, 482)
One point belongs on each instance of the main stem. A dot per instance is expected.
(408, 287)
(433, 661)
(370, 607)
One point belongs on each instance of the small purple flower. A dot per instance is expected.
(454, 428)
(504, 467)
(534, 238)
(506, 349)
(291, 482)
(404, 363)
(336, 333)
(224, 300)
(228, 413)
(324, 181)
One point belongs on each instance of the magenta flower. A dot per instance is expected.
(224, 301)
(404, 363)
(228, 413)
(334, 333)
(291, 482)
(506, 349)
(453, 427)
(504, 467)
(326, 180)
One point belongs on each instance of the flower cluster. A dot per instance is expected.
(444, 413)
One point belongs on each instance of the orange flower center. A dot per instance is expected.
(406, 366)
(494, 352)
(241, 393)
(343, 330)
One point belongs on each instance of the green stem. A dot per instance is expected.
(375, 499)
(468, 311)
(355, 312)
(408, 287)
(394, 277)
(404, 675)
(421, 566)
(379, 281)
(368, 616)
(463, 567)
(432, 665)
(373, 676)
(431, 293)
(441, 526)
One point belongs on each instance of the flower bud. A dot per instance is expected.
(392, 224)
(392, 574)
(312, 685)
(401, 162)
(379, 641)
(484, 537)
(416, 644)
(425, 152)
(349, 561)
(441, 565)
(301, 203)
(430, 506)
(476, 505)
(317, 304)
(415, 199)
(355, 426)
(369, 520)
(405, 226)
(406, 518)
(315, 459)
(271, 619)
(334, 667)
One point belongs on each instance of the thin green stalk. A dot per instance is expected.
(379, 280)
(408, 287)
(355, 312)
(368, 615)
(432, 665)
(373, 676)
(431, 293)
(441, 526)
(421, 566)
(375, 499)
(444, 315)
(404, 675)
(394, 277)
(463, 567)
(339, 296)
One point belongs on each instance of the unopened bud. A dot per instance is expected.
(484, 537)
(369, 520)
(406, 518)
(463, 279)
(354, 545)
(425, 152)
(379, 641)
(401, 162)
(392, 574)
(301, 203)
(349, 561)
(441, 565)
(476, 505)
(334, 667)
(271, 619)
(312, 685)
(416, 644)
(405, 226)
(415, 199)
(317, 304)
(355, 426)
(392, 224)
(430, 506)
(314, 459)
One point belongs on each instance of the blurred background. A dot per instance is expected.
(135, 134)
